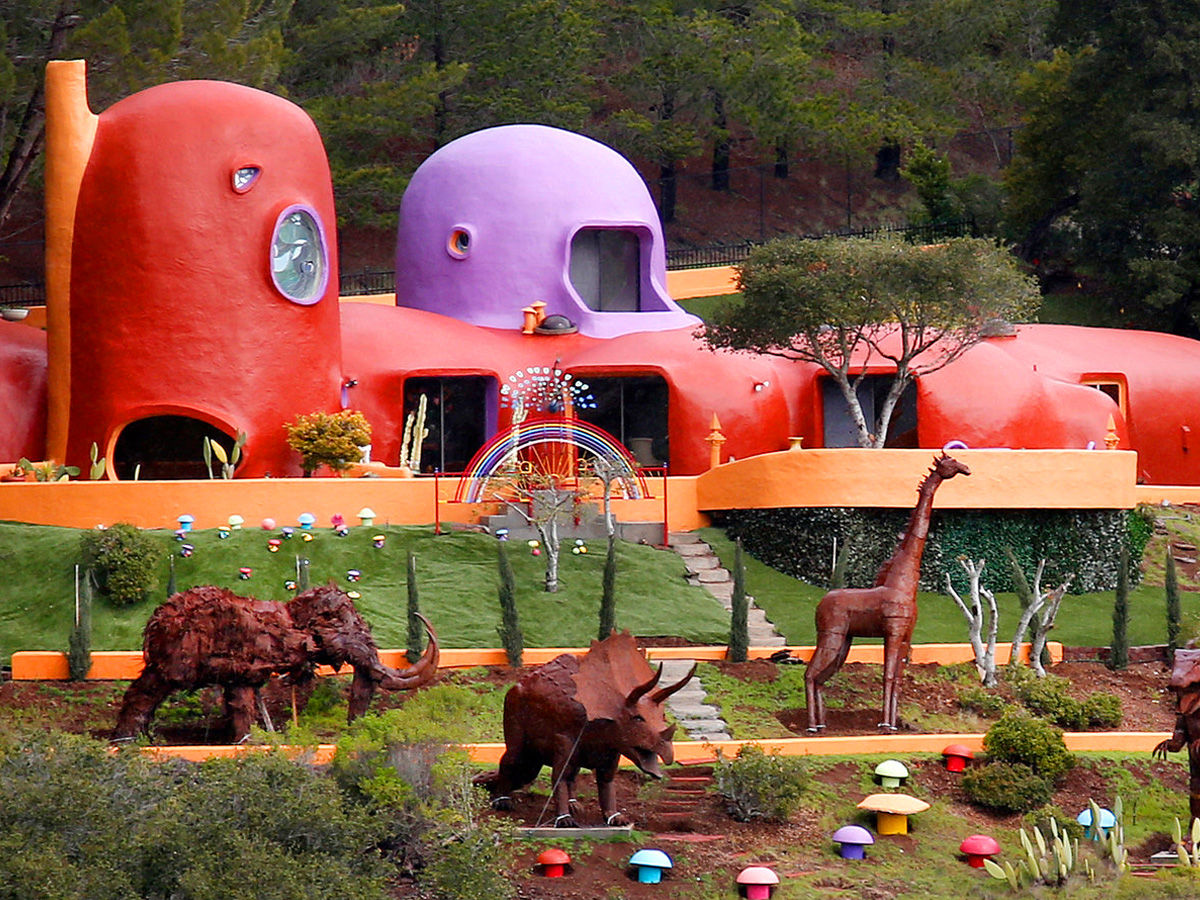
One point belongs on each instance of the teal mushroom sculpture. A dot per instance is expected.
(650, 865)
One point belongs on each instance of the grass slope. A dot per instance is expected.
(456, 575)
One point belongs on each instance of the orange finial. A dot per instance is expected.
(715, 439)
(539, 310)
(1112, 439)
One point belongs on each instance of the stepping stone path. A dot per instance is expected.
(702, 721)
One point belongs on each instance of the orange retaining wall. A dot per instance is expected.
(711, 282)
(1000, 479)
(703, 751)
(124, 665)
(396, 501)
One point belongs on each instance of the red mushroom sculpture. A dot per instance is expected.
(956, 756)
(554, 862)
(977, 848)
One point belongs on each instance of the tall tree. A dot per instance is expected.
(129, 45)
(1107, 172)
(840, 303)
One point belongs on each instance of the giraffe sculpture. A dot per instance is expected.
(887, 610)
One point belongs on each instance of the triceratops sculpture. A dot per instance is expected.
(209, 635)
(584, 712)
(1185, 682)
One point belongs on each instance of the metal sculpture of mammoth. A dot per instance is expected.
(210, 636)
(585, 712)
(1185, 682)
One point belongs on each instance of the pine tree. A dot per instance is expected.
(1171, 586)
(510, 627)
(171, 589)
(416, 631)
(608, 599)
(739, 628)
(1118, 657)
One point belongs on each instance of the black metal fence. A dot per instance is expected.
(353, 284)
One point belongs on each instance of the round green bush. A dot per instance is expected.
(1009, 787)
(124, 561)
(1017, 738)
(1047, 697)
(1102, 711)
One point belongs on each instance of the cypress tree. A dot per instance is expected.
(1171, 586)
(739, 627)
(171, 578)
(416, 631)
(79, 655)
(509, 628)
(1118, 657)
(301, 574)
(608, 598)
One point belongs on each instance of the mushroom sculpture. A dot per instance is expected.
(977, 848)
(553, 862)
(892, 811)
(956, 757)
(186, 521)
(1106, 820)
(306, 520)
(236, 522)
(757, 882)
(650, 865)
(366, 516)
(891, 773)
(853, 841)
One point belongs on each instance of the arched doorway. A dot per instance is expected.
(161, 448)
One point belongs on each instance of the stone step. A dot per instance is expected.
(679, 538)
(713, 576)
(687, 551)
(702, 563)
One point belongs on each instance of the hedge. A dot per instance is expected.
(800, 542)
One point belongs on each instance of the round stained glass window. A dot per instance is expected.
(298, 257)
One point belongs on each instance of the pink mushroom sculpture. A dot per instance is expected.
(757, 881)
(977, 848)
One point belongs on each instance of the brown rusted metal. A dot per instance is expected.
(887, 610)
(584, 712)
(211, 636)
(1185, 682)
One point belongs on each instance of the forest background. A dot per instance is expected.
(1067, 129)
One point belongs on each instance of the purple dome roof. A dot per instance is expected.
(508, 216)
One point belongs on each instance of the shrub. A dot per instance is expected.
(1009, 787)
(509, 629)
(1017, 738)
(982, 701)
(798, 542)
(1047, 697)
(1102, 711)
(758, 785)
(124, 560)
(330, 439)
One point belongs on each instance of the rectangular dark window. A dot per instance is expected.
(839, 426)
(606, 269)
(633, 410)
(460, 413)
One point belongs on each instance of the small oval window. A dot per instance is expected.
(298, 256)
(244, 178)
(458, 244)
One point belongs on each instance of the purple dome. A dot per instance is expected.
(508, 216)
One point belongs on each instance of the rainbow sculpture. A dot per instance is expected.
(506, 447)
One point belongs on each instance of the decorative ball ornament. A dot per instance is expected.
(180, 534)
(186, 550)
(534, 542)
(342, 531)
(245, 572)
(268, 524)
(287, 531)
(379, 540)
(354, 595)
(536, 551)
(289, 585)
(223, 531)
(353, 575)
(306, 536)
(273, 545)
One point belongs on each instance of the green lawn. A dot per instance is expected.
(456, 576)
